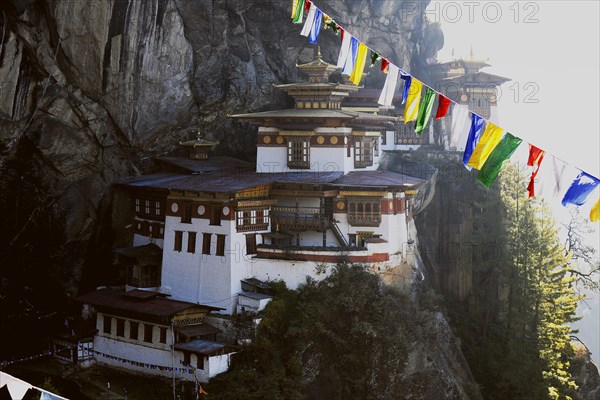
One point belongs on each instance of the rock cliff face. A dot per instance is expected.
(91, 89)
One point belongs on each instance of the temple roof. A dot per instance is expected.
(477, 77)
(140, 302)
(317, 113)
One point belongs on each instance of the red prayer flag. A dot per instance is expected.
(536, 156)
(443, 106)
(342, 31)
(384, 64)
(307, 4)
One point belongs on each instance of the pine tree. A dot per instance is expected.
(542, 300)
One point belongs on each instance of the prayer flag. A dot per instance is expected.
(350, 60)
(425, 111)
(495, 162)
(460, 124)
(344, 50)
(443, 106)
(473, 139)
(580, 189)
(407, 82)
(536, 156)
(559, 169)
(359, 65)
(385, 63)
(490, 138)
(389, 87)
(412, 104)
(595, 213)
(297, 11)
(316, 27)
(374, 58)
(310, 19)
(307, 5)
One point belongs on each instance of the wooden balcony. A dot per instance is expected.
(299, 218)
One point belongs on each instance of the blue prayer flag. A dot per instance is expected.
(316, 27)
(474, 136)
(580, 189)
(407, 82)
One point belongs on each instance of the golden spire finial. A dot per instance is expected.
(319, 52)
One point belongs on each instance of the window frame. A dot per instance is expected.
(148, 333)
(107, 327)
(206, 242)
(298, 152)
(363, 153)
(134, 327)
(220, 245)
(120, 328)
(191, 242)
(178, 241)
(364, 211)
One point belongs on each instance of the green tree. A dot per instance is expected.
(542, 299)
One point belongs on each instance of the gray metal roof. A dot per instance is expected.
(255, 296)
(202, 347)
(376, 178)
(192, 331)
(144, 303)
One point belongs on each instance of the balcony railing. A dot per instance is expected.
(299, 218)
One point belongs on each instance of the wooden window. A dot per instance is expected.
(215, 215)
(163, 334)
(148, 333)
(364, 211)
(137, 205)
(186, 358)
(186, 217)
(178, 241)
(220, 245)
(252, 219)
(384, 138)
(251, 243)
(107, 324)
(146, 207)
(206, 243)
(199, 361)
(363, 153)
(376, 147)
(120, 327)
(157, 208)
(299, 153)
(133, 330)
(191, 245)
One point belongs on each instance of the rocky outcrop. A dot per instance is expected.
(586, 375)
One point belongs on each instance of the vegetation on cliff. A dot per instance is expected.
(515, 325)
(348, 336)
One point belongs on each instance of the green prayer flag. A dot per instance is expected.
(297, 19)
(424, 111)
(497, 159)
(374, 57)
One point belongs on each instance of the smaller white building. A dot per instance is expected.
(252, 303)
(142, 331)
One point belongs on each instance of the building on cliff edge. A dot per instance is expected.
(205, 235)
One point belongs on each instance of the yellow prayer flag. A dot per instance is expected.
(595, 213)
(490, 139)
(294, 7)
(359, 65)
(411, 109)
